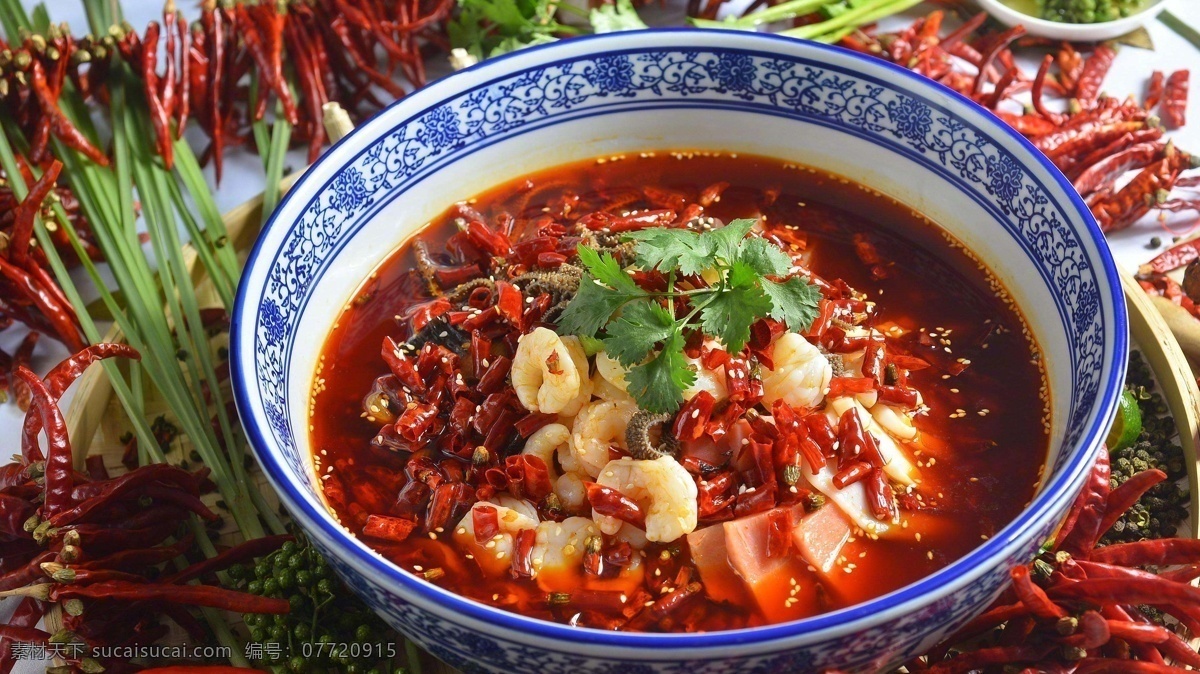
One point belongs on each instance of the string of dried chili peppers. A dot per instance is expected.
(92, 544)
(1095, 142)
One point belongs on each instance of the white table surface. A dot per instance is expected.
(243, 177)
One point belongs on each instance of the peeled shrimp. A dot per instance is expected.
(664, 490)
(571, 491)
(801, 375)
(548, 441)
(598, 426)
(554, 441)
(580, 360)
(706, 380)
(559, 549)
(494, 556)
(544, 373)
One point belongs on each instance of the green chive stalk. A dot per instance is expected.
(868, 13)
(272, 146)
(784, 11)
(829, 31)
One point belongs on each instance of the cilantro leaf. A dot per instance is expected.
(640, 327)
(794, 302)
(659, 383)
(592, 307)
(668, 249)
(726, 241)
(607, 270)
(729, 314)
(611, 18)
(765, 257)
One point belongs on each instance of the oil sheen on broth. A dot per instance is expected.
(948, 330)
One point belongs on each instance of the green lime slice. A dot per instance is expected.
(1128, 424)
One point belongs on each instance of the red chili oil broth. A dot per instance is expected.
(986, 421)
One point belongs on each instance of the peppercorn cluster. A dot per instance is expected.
(1160, 510)
(329, 630)
(1088, 11)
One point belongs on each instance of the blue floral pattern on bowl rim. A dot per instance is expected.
(776, 76)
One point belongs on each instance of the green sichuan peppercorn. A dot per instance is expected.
(327, 631)
(1088, 11)
(1160, 510)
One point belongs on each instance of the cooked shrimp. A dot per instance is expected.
(571, 491)
(664, 490)
(706, 380)
(580, 360)
(559, 550)
(547, 442)
(543, 372)
(493, 556)
(801, 375)
(551, 442)
(597, 427)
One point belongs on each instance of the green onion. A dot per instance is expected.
(868, 13)
(1184, 30)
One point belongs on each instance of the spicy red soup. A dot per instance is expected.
(678, 392)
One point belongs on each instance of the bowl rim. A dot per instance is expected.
(360, 555)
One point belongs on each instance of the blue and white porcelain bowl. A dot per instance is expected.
(699, 90)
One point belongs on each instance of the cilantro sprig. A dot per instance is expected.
(639, 327)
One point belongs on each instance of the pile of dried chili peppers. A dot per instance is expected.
(303, 54)
(1086, 609)
(1096, 141)
(28, 291)
(223, 74)
(85, 551)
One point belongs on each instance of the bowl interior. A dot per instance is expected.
(1077, 32)
(681, 90)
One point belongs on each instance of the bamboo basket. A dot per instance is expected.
(96, 419)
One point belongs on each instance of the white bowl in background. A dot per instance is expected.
(1072, 32)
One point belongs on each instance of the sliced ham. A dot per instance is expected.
(820, 536)
(746, 540)
(711, 557)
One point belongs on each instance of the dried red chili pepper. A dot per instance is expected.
(612, 503)
(1105, 172)
(1174, 103)
(999, 43)
(1081, 530)
(1175, 257)
(60, 378)
(194, 595)
(26, 615)
(59, 319)
(486, 522)
(62, 128)
(1124, 207)
(60, 474)
(1094, 70)
(25, 213)
(1154, 90)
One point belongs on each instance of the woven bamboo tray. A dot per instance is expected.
(96, 420)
